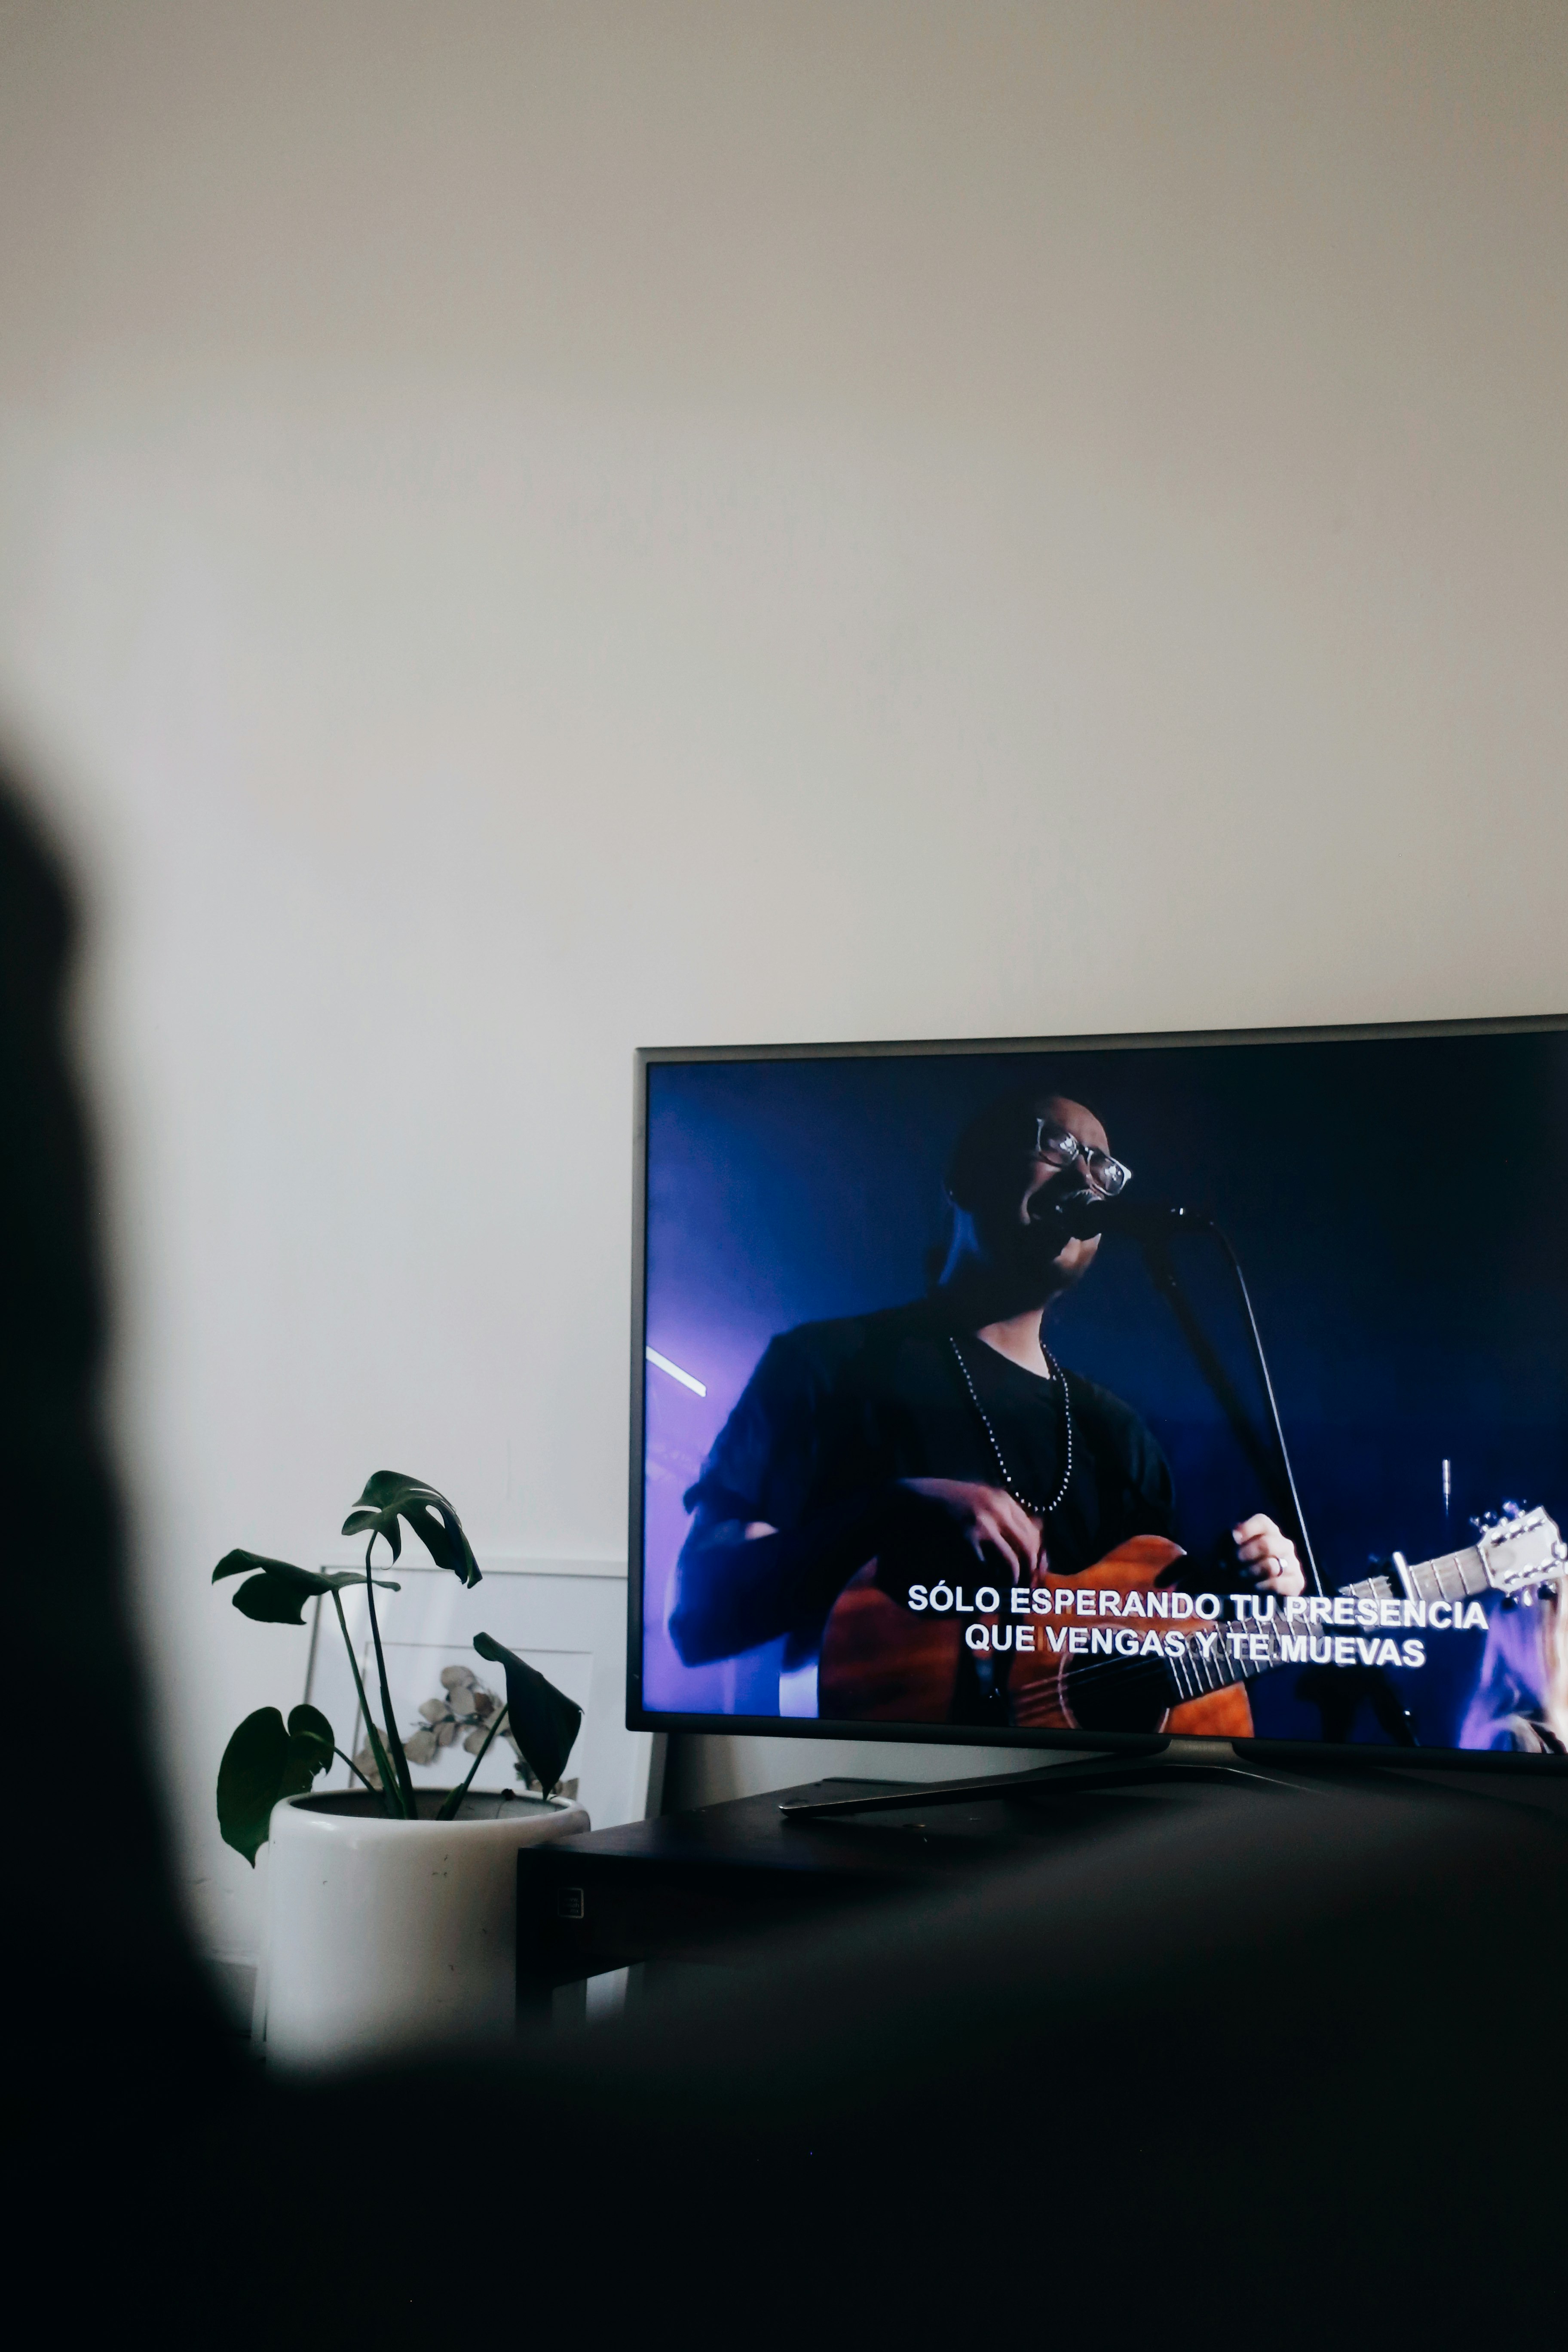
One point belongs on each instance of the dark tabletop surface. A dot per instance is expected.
(918, 1839)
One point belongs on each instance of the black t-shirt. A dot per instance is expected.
(835, 1412)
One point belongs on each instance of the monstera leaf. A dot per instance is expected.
(542, 1720)
(266, 1759)
(388, 1497)
(277, 1594)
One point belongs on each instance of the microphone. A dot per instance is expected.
(1082, 1215)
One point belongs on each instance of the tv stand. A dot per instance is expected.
(717, 1886)
(1210, 1760)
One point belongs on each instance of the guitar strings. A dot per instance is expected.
(1233, 1671)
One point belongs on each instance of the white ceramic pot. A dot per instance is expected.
(384, 1937)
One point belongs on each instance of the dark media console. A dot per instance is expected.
(719, 1886)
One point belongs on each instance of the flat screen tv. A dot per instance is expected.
(1090, 1391)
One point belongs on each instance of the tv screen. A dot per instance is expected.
(1072, 1392)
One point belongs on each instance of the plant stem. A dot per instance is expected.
(391, 1796)
(354, 1768)
(404, 1778)
(450, 1803)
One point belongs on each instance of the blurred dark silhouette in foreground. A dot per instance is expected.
(1285, 2068)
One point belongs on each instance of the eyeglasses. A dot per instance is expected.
(1057, 1149)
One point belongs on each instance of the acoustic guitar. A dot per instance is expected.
(884, 1661)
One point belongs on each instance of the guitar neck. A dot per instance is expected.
(1452, 1576)
(1219, 1656)
(1243, 1650)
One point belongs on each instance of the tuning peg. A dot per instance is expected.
(1528, 1596)
(1510, 1510)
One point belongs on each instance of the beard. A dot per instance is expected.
(1054, 1212)
(1054, 1257)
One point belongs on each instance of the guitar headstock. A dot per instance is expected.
(1521, 1550)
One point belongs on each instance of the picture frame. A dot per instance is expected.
(566, 1618)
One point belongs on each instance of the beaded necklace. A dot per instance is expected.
(1036, 1510)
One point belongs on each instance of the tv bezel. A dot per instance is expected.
(938, 1734)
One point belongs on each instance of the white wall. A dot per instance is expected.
(528, 530)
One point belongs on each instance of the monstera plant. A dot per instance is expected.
(268, 1758)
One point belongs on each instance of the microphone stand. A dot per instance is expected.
(1261, 1361)
(1157, 1258)
(1370, 1682)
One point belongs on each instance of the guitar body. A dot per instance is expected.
(882, 1664)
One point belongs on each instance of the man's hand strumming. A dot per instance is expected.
(939, 1518)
